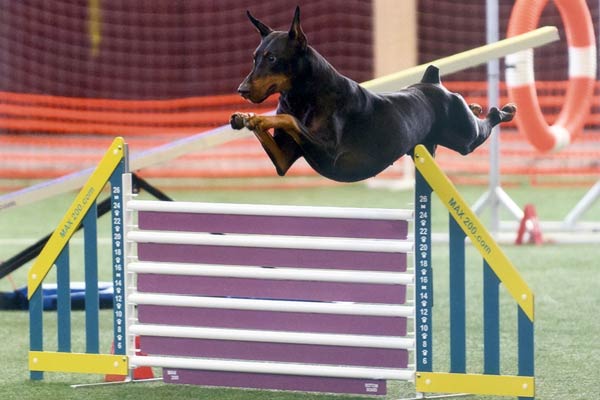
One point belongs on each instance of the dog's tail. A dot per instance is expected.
(431, 75)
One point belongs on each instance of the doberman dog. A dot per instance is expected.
(344, 131)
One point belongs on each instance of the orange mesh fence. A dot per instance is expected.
(49, 136)
(45, 136)
(21, 112)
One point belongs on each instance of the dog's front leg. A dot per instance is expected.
(283, 150)
(254, 122)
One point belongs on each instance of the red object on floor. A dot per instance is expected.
(138, 374)
(529, 225)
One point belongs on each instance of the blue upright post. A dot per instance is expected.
(90, 238)
(63, 307)
(458, 341)
(526, 346)
(36, 328)
(424, 282)
(491, 321)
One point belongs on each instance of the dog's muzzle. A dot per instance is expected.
(244, 90)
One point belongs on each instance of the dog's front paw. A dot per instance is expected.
(237, 120)
(251, 121)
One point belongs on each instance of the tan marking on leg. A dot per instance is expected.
(476, 109)
(282, 121)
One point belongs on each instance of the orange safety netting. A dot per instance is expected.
(43, 137)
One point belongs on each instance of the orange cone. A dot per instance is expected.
(139, 373)
(529, 225)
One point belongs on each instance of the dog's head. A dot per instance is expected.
(275, 60)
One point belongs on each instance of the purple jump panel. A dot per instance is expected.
(276, 382)
(271, 289)
(284, 352)
(273, 225)
(271, 320)
(273, 257)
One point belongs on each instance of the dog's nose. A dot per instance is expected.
(244, 90)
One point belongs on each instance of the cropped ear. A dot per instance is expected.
(262, 28)
(296, 32)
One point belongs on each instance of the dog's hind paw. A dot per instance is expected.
(508, 112)
(496, 116)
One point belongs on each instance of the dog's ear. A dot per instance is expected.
(296, 32)
(262, 28)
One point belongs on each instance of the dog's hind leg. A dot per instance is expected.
(493, 118)
(465, 131)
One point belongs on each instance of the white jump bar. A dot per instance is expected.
(341, 308)
(294, 274)
(466, 59)
(278, 368)
(246, 335)
(271, 241)
(270, 210)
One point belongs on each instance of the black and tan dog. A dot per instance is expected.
(344, 131)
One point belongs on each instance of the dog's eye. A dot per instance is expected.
(271, 58)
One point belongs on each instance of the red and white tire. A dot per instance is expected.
(520, 78)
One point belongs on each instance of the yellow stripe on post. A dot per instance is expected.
(498, 385)
(73, 217)
(475, 230)
(50, 361)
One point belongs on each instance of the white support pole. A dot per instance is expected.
(495, 196)
(582, 206)
(493, 72)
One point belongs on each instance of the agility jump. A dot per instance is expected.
(300, 298)
(403, 297)
(266, 302)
